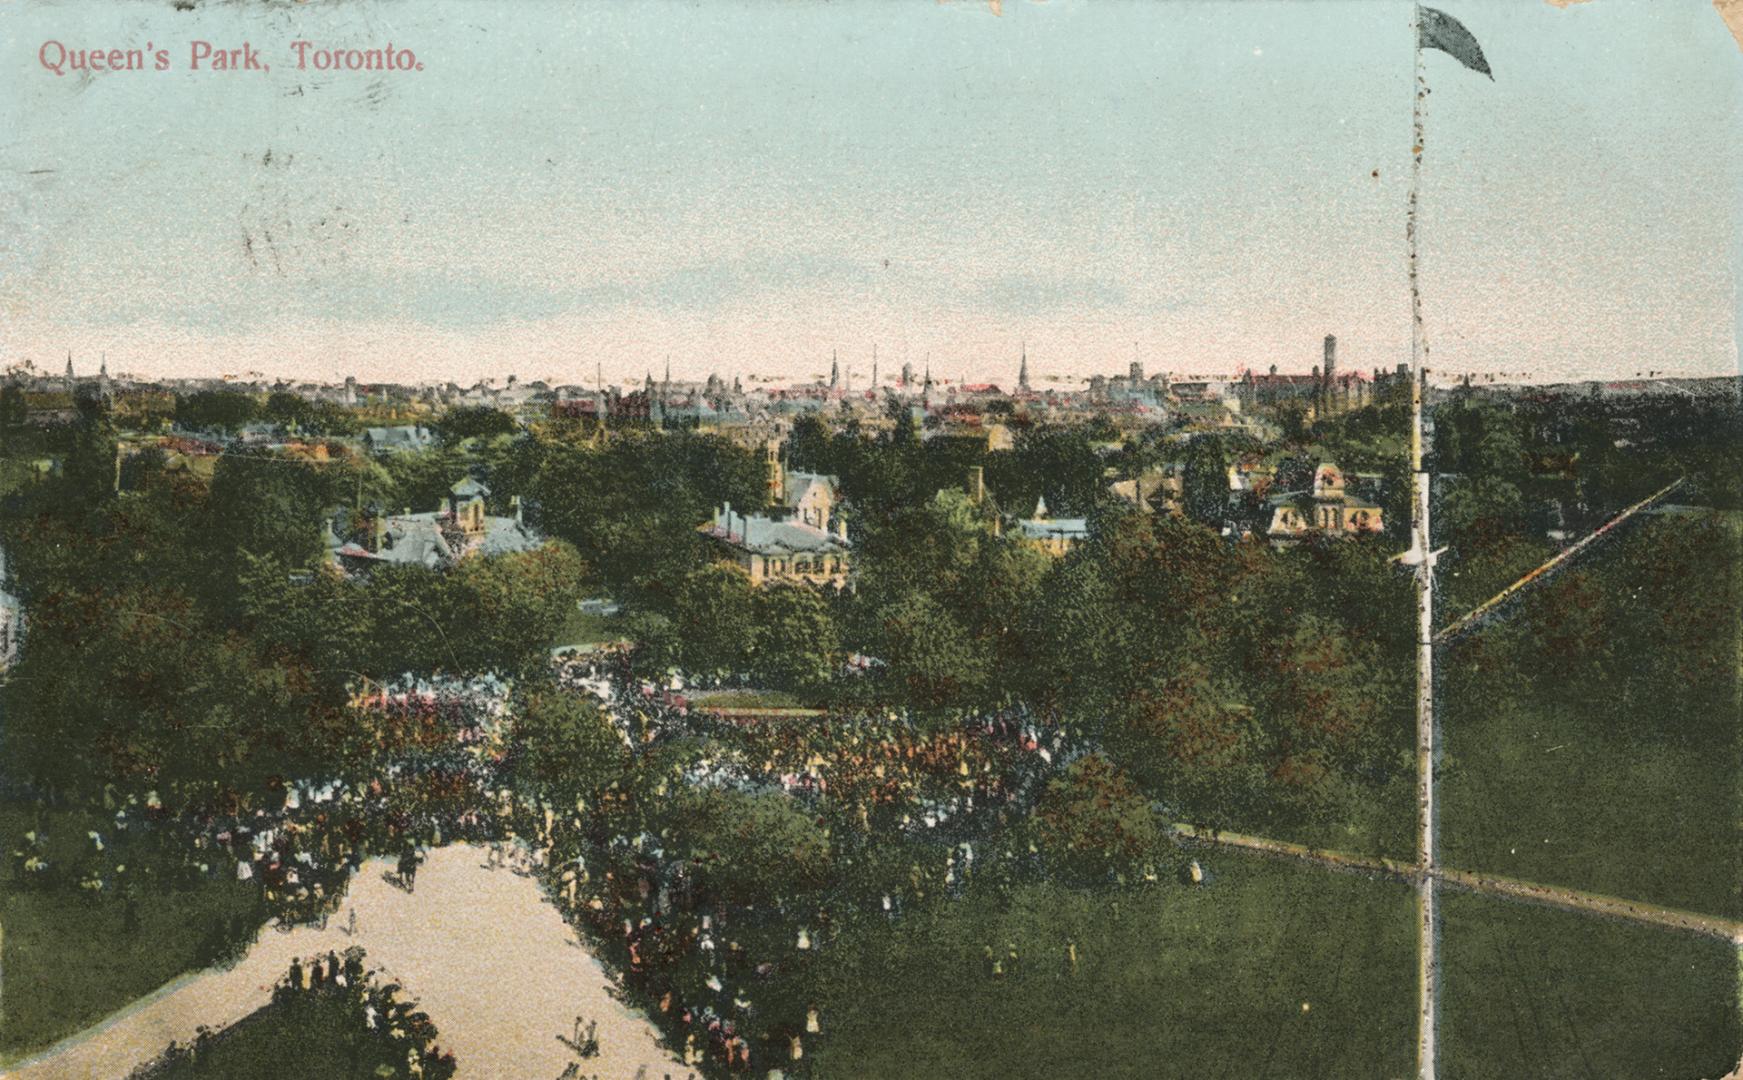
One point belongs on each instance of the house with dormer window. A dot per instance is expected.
(1330, 508)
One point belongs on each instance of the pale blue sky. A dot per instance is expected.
(747, 186)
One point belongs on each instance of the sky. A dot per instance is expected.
(749, 187)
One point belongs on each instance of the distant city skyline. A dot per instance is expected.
(748, 188)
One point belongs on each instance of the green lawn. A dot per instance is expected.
(1538, 992)
(1274, 969)
(15, 474)
(69, 963)
(746, 699)
(1593, 735)
(69, 960)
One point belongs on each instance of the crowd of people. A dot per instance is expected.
(398, 1039)
(915, 811)
(299, 842)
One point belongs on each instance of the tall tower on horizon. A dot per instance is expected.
(1023, 370)
(1328, 376)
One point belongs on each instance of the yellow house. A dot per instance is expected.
(1330, 509)
(790, 549)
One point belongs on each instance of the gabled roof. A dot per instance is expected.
(799, 484)
(418, 539)
(407, 437)
(766, 536)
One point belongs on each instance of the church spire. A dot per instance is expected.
(1023, 369)
(834, 370)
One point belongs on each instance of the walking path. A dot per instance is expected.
(495, 966)
(1491, 884)
(1477, 614)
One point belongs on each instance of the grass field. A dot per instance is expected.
(1537, 992)
(1274, 969)
(1593, 737)
(746, 699)
(70, 960)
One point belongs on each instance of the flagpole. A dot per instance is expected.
(1428, 921)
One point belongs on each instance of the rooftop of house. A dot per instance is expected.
(1348, 498)
(768, 536)
(410, 436)
(1044, 526)
(1054, 529)
(799, 484)
(432, 539)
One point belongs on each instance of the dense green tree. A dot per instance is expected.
(216, 410)
(137, 686)
(561, 746)
(632, 507)
(1093, 822)
(1476, 437)
(1473, 507)
(751, 849)
(473, 422)
(1327, 694)
(808, 446)
(13, 413)
(717, 608)
(503, 611)
(322, 623)
(1055, 463)
(304, 416)
(1192, 739)
(416, 482)
(411, 612)
(794, 641)
(91, 471)
(1206, 481)
(933, 661)
(261, 504)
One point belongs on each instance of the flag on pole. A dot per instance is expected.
(1438, 30)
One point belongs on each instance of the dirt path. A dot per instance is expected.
(1491, 884)
(493, 964)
